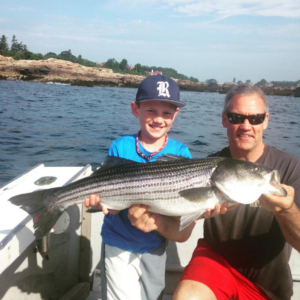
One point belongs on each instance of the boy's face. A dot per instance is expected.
(155, 118)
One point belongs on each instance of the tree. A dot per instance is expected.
(211, 81)
(50, 55)
(262, 82)
(234, 80)
(67, 55)
(248, 81)
(112, 64)
(14, 44)
(194, 79)
(123, 64)
(138, 68)
(239, 82)
(3, 45)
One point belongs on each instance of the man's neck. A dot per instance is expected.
(251, 156)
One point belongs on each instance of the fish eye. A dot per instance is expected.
(256, 169)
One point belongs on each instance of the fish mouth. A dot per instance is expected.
(274, 180)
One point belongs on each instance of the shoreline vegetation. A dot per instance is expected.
(18, 63)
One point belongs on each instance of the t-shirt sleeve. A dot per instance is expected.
(113, 150)
(186, 152)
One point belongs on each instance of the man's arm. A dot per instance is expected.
(286, 213)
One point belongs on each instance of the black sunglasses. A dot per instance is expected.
(240, 119)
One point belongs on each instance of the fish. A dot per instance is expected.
(170, 186)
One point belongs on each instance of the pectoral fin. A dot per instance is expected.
(185, 221)
(198, 194)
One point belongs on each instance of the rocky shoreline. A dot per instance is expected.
(62, 71)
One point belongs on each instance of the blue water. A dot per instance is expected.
(63, 125)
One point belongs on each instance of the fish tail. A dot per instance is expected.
(41, 206)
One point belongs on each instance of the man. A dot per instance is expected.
(245, 251)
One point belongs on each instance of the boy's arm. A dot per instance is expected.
(93, 199)
(167, 227)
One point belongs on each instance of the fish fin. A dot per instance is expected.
(171, 157)
(112, 161)
(198, 194)
(40, 206)
(186, 220)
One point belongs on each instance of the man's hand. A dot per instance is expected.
(94, 200)
(218, 210)
(278, 204)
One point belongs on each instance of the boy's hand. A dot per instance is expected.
(94, 200)
(142, 219)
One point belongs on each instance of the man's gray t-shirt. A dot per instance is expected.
(250, 238)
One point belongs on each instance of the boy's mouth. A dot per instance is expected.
(156, 127)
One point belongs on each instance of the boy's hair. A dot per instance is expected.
(159, 88)
(139, 105)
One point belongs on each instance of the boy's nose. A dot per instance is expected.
(158, 119)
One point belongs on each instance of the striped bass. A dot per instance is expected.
(171, 186)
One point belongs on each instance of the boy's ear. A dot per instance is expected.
(134, 109)
(176, 112)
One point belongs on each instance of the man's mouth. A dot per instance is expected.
(248, 136)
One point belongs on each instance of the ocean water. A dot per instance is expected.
(63, 125)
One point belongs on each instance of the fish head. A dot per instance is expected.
(244, 182)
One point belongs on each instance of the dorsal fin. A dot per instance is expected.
(170, 157)
(112, 161)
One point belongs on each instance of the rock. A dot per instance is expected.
(57, 70)
(297, 92)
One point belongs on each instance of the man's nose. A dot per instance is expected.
(246, 124)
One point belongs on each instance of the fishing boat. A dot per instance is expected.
(65, 263)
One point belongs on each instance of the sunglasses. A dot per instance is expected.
(240, 119)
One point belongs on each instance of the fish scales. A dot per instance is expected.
(172, 186)
(159, 182)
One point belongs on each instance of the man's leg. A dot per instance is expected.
(193, 290)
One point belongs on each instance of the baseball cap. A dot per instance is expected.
(159, 88)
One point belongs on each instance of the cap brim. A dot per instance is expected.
(174, 102)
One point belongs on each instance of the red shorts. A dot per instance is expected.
(211, 269)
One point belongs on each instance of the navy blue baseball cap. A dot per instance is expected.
(159, 88)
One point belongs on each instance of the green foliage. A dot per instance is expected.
(3, 45)
(286, 84)
(67, 55)
(262, 82)
(50, 55)
(211, 81)
(123, 64)
(20, 51)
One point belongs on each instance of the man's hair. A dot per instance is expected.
(242, 90)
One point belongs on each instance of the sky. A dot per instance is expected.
(219, 39)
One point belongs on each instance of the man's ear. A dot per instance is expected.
(135, 109)
(266, 121)
(224, 120)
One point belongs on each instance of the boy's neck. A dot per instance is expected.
(151, 145)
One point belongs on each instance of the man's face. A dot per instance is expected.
(155, 118)
(246, 137)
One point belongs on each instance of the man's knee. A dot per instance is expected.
(193, 290)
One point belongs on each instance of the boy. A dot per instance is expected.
(134, 261)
